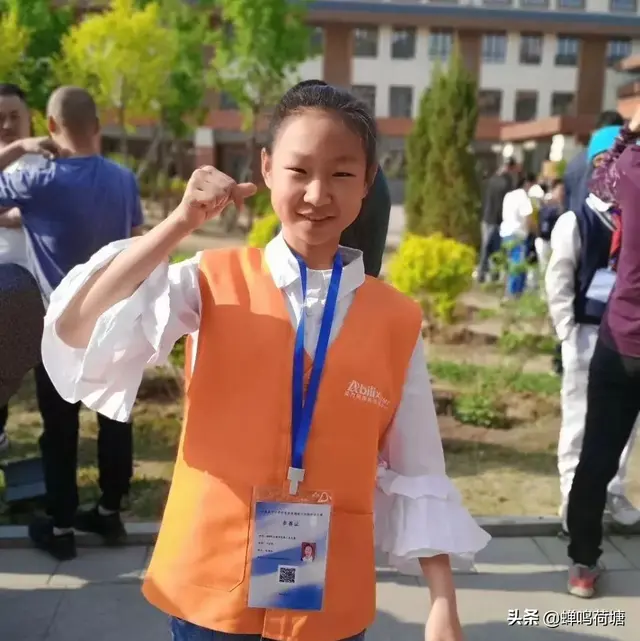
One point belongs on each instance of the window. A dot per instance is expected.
(403, 43)
(562, 103)
(227, 102)
(526, 105)
(498, 3)
(623, 6)
(538, 4)
(530, 48)
(494, 47)
(317, 40)
(618, 50)
(490, 103)
(567, 51)
(365, 42)
(440, 44)
(570, 4)
(366, 93)
(400, 102)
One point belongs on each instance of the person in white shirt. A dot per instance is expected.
(516, 226)
(14, 124)
(580, 244)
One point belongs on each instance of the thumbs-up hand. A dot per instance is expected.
(208, 192)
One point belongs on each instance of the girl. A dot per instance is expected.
(256, 320)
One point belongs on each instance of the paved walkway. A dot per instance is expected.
(97, 596)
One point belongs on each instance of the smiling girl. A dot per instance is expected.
(305, 376)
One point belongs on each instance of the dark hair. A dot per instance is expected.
(8, 89)
(510, 162)
(525, 178)
(609, 119)
(317, 94)
(557, 183)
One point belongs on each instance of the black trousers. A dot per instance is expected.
(613, 403)
(4, 416)
(59, 447)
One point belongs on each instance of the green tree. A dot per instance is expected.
(124, 56)
(257, 52)
(451, 190)
(14, 39)
(183, 107)
(46, 26)
(417, 148)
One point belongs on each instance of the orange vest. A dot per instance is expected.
(237, 436)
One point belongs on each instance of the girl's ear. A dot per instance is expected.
(371, 176)
(265, 164)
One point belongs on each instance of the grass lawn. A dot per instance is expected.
(499, 471)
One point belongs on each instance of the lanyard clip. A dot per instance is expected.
(295, 476)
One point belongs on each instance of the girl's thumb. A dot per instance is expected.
(241, 192)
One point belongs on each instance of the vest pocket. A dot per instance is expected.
(351, 567)
(216, 548)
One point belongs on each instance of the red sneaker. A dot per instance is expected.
(582, 580)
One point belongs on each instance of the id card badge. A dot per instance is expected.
(602, 285)
(289, 550)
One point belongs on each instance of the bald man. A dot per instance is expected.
(72, 206)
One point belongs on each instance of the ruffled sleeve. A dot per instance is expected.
(419, 512)
(135, 333)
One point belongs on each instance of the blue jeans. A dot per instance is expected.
(185, 631)
(517, 256)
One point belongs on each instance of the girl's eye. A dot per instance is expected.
(343, 174)
(296, 170)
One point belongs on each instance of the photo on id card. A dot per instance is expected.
(289, 550)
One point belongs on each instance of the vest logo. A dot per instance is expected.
(366, 394)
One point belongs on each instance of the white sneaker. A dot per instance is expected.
(621, 509)
(4, 442)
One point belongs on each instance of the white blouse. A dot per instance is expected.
(418, 509)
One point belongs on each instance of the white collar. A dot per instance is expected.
(597, 204)
(285, 270)
(601, 210)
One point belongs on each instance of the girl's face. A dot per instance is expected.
(317, 174)
(308, 551)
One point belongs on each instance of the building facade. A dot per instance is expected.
(544, 67)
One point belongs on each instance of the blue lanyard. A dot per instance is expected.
(302, 408)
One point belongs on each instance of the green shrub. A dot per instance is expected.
(480, 410)
(511, 342)
(263, 230)
(178, 257)
(434, 269)
(260, 204)
(131, 162)
(176, 357)
(177, 186)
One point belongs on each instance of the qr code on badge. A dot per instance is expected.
(287, 574)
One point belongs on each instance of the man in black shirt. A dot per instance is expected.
(497, 187)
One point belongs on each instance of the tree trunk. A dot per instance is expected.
(250, 166)
(124, 139)
(166, 193)
(152, 152)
